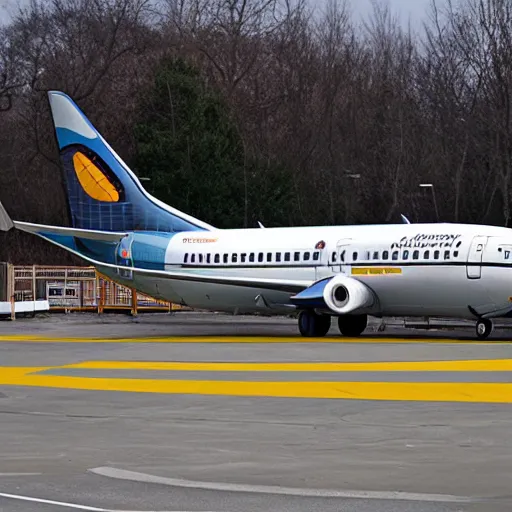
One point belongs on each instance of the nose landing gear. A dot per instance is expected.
(484, 328)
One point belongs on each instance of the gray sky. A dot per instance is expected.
(405, 9)
(414, 10)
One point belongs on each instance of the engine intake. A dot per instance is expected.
(344, 295)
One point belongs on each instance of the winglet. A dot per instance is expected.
(405, 220)
(5, 221)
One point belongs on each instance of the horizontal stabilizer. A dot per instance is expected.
(5, 221)
(40, 229)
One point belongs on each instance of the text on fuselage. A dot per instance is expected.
(425, 240)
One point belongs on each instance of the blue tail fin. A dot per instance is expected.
(103, 193)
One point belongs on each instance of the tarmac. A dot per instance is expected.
(210, 412)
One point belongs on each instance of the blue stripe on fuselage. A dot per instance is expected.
(147, 250)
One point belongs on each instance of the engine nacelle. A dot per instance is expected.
(344, 295)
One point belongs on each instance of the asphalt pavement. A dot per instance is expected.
(204, 412)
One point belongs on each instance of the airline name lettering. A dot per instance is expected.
(425, 240)
(199, 240)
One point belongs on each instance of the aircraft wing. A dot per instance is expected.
(285, 285)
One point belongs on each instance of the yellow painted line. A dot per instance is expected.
(241, 339)
(484, 365)
(403, 391)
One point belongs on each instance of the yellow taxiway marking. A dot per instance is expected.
(403, 391)
(484, 365)
(16, 338)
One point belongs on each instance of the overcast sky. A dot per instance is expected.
(413, 10)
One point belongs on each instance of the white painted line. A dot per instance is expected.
(20, 474)
(70, 505)
(271, 489)
(51, 502)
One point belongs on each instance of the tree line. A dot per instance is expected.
(239, 111)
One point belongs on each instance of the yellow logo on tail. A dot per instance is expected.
(93, 181)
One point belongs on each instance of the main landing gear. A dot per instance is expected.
(352, 325)
(312, 324)
(484, 327)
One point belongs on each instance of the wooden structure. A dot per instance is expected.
(73, 289)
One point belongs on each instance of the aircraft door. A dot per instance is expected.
(338, 257)
(475, 255)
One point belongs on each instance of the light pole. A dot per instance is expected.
(431, 186)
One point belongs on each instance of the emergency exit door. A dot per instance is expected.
(475, 255)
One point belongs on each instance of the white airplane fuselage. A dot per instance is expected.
(413, 269)
(348, 272)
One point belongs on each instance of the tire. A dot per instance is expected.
(352, 325)
(484, 328)
(313, 325)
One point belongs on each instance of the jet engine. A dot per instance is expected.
(344, 295)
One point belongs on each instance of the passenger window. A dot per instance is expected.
(269, 256)
(286, 256)
(406, 255)
(217, 258)
(426, 255)
(455, 254)
(306, 256)
(278, 256)
(507, 255)
(185, 259)
(436, 255)
(385, 255)
(296, 256)
(234, 258)
(446, 255)
(415, 255)
(260, 257)
(243, 257)
(193, 258)
(376, 255)
(208, 258)
(342, 256)
(354, 256)
(200, 258)
(251, 257)
(333, 256)
(225, 258)
(366, 255)
(394, 256)
(316, 255)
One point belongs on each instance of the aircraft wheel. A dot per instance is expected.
(484, 327)
(352, 325)
(313, 325)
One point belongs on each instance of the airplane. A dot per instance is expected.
(316, 273)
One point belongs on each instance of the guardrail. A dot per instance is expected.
(73, 289)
